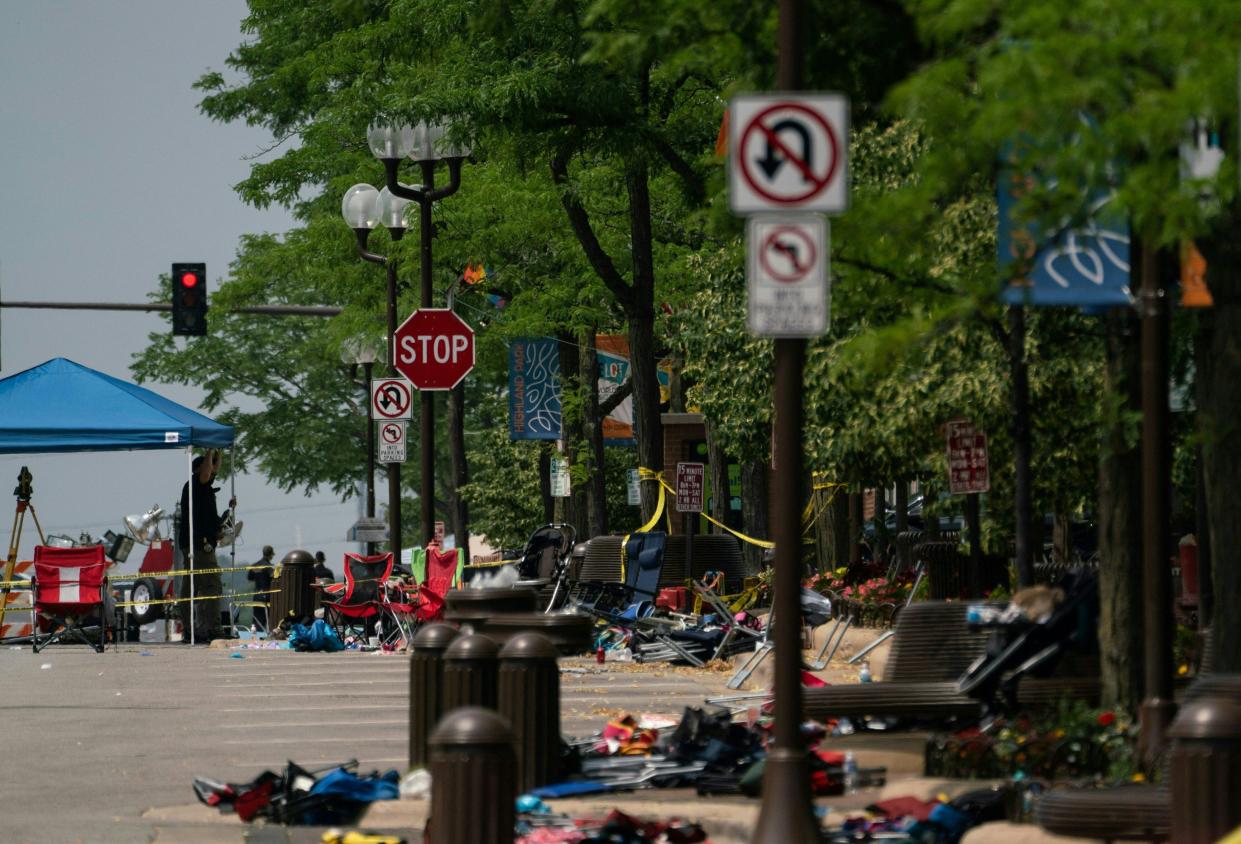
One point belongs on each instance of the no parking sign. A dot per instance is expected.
(786, 275)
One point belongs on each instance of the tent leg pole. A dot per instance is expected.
(189, 501)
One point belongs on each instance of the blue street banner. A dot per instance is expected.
(1085, 267)
(534, 408)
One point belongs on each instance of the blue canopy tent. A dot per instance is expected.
(62, 406)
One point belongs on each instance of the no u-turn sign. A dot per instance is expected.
(788, 152)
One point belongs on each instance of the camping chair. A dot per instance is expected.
(717, 634)
(624, 603)
(69, 586)
(362, 600)
(441, 575)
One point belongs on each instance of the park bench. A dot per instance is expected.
(932, 647)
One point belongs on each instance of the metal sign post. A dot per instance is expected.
(969, 474)
(788, 153)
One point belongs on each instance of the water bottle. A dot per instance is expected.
(864, 675)
(851, 778)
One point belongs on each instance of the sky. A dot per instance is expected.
(109, 174)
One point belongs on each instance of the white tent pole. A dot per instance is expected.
(189, 500)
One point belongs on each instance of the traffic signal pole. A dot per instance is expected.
(787, 813)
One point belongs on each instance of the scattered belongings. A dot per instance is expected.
(327, 796)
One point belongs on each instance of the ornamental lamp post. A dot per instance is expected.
(364, 351)
(364, 208)
(426, 145)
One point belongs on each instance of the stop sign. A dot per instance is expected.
(434, 349)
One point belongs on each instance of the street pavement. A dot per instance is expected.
(103, 747)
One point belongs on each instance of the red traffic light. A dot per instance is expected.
(189, 280)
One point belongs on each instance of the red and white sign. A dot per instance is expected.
(434, 349)
(391, 398)
(968, 469)
(786, 275)
(788, 152)
(690, 478)
(392, 442)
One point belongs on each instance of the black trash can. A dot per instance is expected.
(295, 601)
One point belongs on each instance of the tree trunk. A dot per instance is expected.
(676, 387)
(881, 525)
(840, 527)
(1120, 513)
(1022, 481)
(1061, 538)
(718, 467)
(596, 521)
(459, 474)
(902, 523)
(820, 499)
(1220, 424)
(571, 383)
(545, 482)
(754, 510)
(855, 526)
(641, 315)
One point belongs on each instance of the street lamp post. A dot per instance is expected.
(361, 351)
(364, 208)
(424, 144)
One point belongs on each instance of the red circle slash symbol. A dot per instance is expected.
(391, 433)
(788, 254)
(391, 399)
(771, 132)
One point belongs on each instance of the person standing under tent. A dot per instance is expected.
(207, 520)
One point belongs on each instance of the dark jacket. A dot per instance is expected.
(262, 577)
(207, 517)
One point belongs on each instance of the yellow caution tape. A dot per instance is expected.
(184, 572)
(489, 565)
(195, 598)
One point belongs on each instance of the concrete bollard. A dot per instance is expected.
(470, 672)
(473, 787)
(529, 681)
(1205, 769)
(426, 684)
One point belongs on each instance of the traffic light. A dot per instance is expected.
(189, 300)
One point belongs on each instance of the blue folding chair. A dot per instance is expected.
(624, 603)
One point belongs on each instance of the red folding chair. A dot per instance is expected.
(69, 587)
(441, 575)
(362, 599)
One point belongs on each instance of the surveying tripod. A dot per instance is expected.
(24, 493)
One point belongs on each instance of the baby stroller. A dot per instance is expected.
(1024, 646)
(546, 558)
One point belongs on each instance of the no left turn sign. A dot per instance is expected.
(788, 152)
(391, 398)
(391, 442)
(786, 276)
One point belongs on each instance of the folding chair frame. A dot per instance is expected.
(347, 615)
(65, 624)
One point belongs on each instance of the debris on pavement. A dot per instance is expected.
(333, 795)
